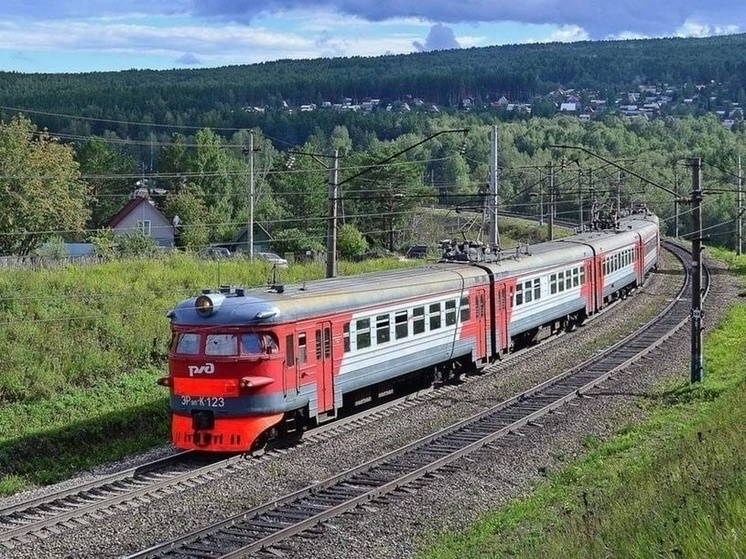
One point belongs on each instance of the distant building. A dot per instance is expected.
(240, 242)
(141, 215)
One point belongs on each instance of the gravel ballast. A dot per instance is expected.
(406, 525)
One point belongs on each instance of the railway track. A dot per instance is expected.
(262, 529)
(69, 508)
(41, 516)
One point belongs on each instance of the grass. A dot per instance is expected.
(674, 486)
(82, 348)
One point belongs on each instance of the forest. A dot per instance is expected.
(83, 143)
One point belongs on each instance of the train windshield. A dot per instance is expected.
(187, 343)
(247, 343)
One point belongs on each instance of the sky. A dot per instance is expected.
(72, 36)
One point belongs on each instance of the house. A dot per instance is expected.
(240, 242)
(141, 215)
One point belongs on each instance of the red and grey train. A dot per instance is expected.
(246, 365)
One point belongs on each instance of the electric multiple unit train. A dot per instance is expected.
(248, 365)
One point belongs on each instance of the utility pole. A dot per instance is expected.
(676, 203)
(331, 236)
(250, 227)
(541, 199)
(580, 198)
(697, 367)
(740, 209)
(551, 201)
(492, 200)
(618, 195)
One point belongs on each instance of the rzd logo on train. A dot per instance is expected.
(206, 369)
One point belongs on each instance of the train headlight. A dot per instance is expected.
(205, 305)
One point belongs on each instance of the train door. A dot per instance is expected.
(291, 377)
(598, 279)
(325, 368)
(481, 316)
(502, 318)
(588, 286)
(639, 260)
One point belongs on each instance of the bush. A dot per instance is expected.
(350, 242)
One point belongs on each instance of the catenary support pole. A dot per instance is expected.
(697, 368)
(331, 235)
(492, 202)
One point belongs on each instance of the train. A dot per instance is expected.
(250, 366)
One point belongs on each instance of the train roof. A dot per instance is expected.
(323, 297)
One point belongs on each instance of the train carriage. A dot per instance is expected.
(248, 365)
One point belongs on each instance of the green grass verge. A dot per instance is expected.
(674, 486)
(48, 441)
(82, 348)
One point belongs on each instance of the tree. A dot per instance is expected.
(107, 171)
(303, 191)
(350, 241)
(192, 231)
(41, 191)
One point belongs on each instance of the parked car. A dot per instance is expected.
(214, 253)
(417, 251)
(272, 258)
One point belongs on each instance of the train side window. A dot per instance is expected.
(270, 344)
(318, 345)
(528, 294)
(221, 344)
(251, 343)
(346, 336)
(188, 344)
(582, 275)
(575, 277)
(418, 320)
(553, 284)
(518, 294)
(537, 289)
(401, 326)
(290, 350)
(302, 349)
(568, 280)
(451, 312)
(561, 281)
(465, 310)
(363, 333)
(383, 328)
(434, 311)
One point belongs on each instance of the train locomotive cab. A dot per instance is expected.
(223, 382)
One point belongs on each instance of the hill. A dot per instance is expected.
(267, 94)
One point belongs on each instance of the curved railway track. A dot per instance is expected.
(53, 513)
(262, 529)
